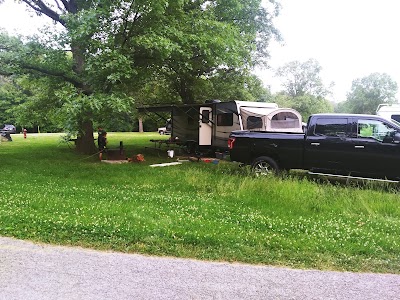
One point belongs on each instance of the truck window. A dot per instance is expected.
(331, 127)
(373, 129)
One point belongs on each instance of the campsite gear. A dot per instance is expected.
(117, 154)
(140, 157)
(5, 137)
(170, 153)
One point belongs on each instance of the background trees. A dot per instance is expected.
(110, 55)
(9, 98)
(300, 78)
(368, 92)
(303, 88)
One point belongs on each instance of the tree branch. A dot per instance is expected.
(4, 73)
(59, 6)
(75, 82)
(66, 4)
(125, 33)
(40, 7)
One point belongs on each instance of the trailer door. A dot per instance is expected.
(205, 126)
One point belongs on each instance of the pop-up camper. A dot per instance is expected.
(208, 125)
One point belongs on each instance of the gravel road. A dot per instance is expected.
(35, 271)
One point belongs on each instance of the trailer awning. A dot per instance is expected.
(155, 109)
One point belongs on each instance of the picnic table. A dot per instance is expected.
(167, 144)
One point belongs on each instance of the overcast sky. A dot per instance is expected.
(349, 38)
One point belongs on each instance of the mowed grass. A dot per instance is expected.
(51, 194)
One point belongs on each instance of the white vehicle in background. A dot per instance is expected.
(167, 129)
(389, 111)
(163, 130)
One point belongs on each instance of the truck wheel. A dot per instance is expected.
(264, 165)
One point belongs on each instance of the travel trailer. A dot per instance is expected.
(389, 111)
(208, 125)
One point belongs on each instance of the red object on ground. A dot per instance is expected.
(25, 133)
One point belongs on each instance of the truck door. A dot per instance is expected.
(205, 126)
(375, 151)
(327, 144)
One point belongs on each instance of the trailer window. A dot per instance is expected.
(331, 127)
(254, 122)
(225, 119)
(205, 116)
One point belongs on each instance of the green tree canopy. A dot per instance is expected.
(110, 53)
(300, 78)
(10, 97)
(368, 92)
(303, 88)
(306, 104)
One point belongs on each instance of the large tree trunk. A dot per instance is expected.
(185, 90)
(85, 140)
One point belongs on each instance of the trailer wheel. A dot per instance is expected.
(264, 165)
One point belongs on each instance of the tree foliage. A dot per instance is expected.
(368, 92)
(303, 88)
(306, 104)
(232, 85)
(112, 54)
(301, 78)
(10, 97)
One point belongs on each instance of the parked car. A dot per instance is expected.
(167, 129)
(347, 145)
(163, 130)
(9, 129)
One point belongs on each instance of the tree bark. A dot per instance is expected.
(85, 140)
(185, 90)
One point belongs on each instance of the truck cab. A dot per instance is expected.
(359, 145)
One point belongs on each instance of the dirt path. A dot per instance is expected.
(31, 271)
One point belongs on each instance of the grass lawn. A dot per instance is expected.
(51, 194)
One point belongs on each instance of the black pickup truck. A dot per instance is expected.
(333, 144)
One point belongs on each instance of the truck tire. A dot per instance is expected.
(264, 165)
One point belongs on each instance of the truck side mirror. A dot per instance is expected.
(396, 137)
